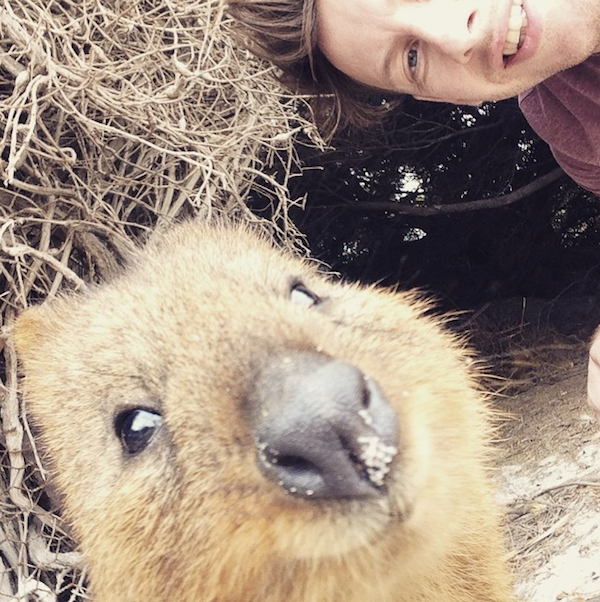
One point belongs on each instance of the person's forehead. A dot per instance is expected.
(350, 36)
(333, 14)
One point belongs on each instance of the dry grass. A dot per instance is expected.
(548, 456)
(117, 118)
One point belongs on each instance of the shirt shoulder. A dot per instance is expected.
(563, 110)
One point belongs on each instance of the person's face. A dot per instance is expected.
(461, 51)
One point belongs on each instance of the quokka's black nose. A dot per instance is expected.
(323, 429)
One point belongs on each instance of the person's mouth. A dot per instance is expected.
(517, 27)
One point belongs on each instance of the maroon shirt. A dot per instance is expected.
(564, 110)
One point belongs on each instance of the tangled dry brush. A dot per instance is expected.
(117, 116)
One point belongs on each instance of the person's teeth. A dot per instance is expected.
(513, 36)
(516, 17)
(516, 28)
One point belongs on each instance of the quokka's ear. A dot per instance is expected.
(33, 328)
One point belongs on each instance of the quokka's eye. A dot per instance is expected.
(300, 295)
(136, 428)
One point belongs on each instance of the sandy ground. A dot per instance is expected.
(549, 482)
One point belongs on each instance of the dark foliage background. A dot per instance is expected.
(400, 204)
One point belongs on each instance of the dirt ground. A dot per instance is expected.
(549, 481)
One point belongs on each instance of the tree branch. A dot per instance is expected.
(491, 203)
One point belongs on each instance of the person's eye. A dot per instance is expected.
(412, 59)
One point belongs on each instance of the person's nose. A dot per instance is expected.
(450, 27)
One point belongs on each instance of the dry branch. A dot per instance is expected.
(116, 119)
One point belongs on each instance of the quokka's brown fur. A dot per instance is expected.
(188, 331)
